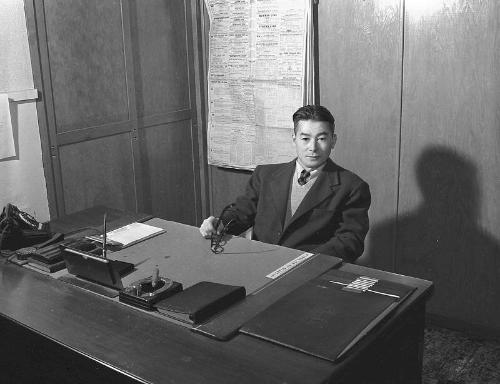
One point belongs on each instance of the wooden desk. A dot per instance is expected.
(55, 332)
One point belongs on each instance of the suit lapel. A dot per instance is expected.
(280, 188)
(324, 186)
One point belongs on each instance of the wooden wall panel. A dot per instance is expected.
(169, 166)
(417, 106)
(360, 50)
(98, 172)
(227, 184)
(160, 56)
(359, 75)
(87, 64)
(450, 178)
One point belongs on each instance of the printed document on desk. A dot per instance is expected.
(130, 234)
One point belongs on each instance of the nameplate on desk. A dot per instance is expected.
(288, 266)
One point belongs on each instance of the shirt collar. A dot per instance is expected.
(314, 173)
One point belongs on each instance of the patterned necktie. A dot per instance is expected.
(304, 177)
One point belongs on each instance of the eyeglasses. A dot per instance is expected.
(217, 239)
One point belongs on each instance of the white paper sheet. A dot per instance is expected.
(7, 148)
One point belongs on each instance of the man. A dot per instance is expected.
(310, 203)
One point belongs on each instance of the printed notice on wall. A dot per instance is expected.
(256, 79)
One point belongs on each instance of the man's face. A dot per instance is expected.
(314, 142)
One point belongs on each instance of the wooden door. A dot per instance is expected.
(119, 105)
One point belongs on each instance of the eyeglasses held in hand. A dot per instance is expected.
(217, 239)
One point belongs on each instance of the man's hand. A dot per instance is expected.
(207, 228)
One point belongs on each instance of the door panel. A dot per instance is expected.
(98, 172)
(87, 63)
(160, 56)
(166, 136)
(169, 165)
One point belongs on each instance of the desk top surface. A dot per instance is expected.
(140, 345)
(183, 255)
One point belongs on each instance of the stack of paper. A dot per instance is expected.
(130, 234)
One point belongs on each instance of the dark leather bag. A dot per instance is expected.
(19, 229)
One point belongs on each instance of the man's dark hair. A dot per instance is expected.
(315, 113)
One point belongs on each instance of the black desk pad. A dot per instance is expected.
(228, 323)
(323, 317)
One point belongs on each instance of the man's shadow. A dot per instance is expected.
(442, 240)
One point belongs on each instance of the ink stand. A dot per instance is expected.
(146, 292)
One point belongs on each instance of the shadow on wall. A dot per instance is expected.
(442, 241)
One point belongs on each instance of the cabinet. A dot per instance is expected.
(118, 114)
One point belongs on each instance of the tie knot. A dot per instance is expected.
(304, 177)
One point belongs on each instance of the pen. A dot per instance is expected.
(104, 239)
(154, 278)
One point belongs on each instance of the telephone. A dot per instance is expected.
(19, 229)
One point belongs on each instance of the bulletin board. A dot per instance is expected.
(259, 74)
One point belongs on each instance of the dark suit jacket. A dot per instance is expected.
(332, 218)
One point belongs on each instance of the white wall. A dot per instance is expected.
(22, 181)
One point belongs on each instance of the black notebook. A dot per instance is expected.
(201, 301)
(51, 268)
(328, 315)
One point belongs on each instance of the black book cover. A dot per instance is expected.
(52, 253)
(201, 301)
(54, 267)
(324, 318)
(48, 256)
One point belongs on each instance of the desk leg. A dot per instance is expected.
(404, 348)
(396, 358)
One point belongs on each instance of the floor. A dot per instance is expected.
(451, 357)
